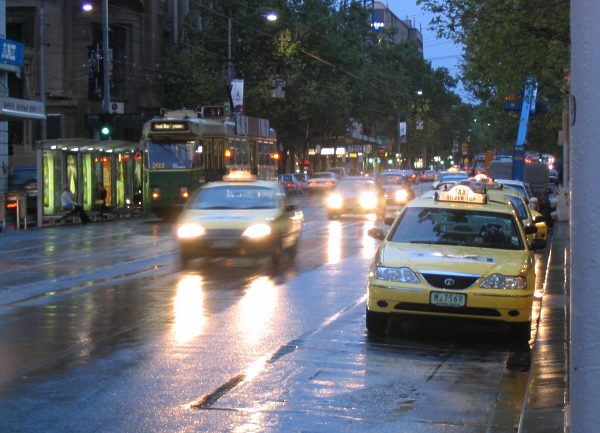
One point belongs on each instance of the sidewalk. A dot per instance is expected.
(546, 396)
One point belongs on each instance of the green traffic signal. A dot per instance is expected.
(105, 131)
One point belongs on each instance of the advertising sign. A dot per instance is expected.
(11, 55)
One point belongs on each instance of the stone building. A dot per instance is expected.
(139, 30)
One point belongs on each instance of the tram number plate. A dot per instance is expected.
(223, 244)
(443, 299)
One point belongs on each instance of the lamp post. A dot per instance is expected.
(87, 6)
(105, 82)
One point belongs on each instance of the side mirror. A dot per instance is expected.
(530, 230)
(539, 219)
(537, 244)
(388, 221)
(376, 234)
(290, 207)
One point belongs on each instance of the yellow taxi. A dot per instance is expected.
(239, 216)
(454, 253)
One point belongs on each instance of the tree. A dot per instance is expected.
(506, 41)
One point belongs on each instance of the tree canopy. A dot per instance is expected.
(505, 42)
(337, 70)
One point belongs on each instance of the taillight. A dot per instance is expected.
(155, 193)
(413, 176)
(328, 182)
(290, 185)
(183, 191)
(11, 205)
(312, 183)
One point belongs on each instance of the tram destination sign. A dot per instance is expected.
(169, 126)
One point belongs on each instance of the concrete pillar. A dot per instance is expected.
(4, 161)
(584, 371)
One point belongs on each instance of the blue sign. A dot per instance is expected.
(12, 55)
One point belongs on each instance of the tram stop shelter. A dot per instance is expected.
(86, 165)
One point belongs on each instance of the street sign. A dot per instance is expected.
(12, 55)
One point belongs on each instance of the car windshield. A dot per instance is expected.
(391, 179)
(520, 189)
(520, 206)
(235, 197)
(169, 156)
(355, 185)
(461, 227)
(323, 175)
(453, 176)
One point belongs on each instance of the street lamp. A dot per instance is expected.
(88, 6)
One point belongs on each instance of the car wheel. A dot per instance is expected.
(277, 253)
(520, 333)
(376, 322)
(293, 250)
(184, 260)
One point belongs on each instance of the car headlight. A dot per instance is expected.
(190, 230)
(399, 275)
(335, 201)
(499, 281)
(401, 195)
(367, 200)
(256, 231)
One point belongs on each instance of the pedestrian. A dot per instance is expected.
(101, 197)
(71, 207)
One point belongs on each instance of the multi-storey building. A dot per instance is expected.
(383, 19)
(139, 30)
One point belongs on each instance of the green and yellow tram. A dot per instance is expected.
(184, 149)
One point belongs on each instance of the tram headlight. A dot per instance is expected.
(257, 231)
(190, 230)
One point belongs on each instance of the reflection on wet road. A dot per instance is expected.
(230, 346)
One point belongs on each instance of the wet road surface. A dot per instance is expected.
(104, 334)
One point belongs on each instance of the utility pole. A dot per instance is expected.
(105, 62)
(3, 125)
(40, 152)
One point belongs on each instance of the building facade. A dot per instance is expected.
(384, 20)
(139, 31)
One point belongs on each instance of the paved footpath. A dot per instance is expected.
(546, 398)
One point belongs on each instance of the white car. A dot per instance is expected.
(522, 188)
(322, 181)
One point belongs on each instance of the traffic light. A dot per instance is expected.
(106, 126)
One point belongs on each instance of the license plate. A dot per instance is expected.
(443, 299)
(223, 244)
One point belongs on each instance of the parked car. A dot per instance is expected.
(289, 183)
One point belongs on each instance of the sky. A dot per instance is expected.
(441, 52)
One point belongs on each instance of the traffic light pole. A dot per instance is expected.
(105, 62)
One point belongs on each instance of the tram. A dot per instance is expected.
(183, 149)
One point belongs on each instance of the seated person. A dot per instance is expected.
(71, 207)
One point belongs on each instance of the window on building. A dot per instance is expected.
(54, 126)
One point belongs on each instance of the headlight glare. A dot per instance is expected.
(367, 200)
(399, 275)
(190, 230)
(257, 231)
(335, 201)
(401, 195)
(499, 281)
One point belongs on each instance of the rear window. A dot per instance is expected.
(438, 226)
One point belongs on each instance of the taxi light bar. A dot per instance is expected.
(461, 194)
(239, 176)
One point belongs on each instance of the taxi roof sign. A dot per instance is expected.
(461, 194)
(239, 176)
